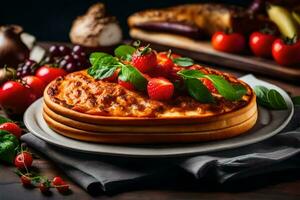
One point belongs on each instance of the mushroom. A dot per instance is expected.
(96, 28)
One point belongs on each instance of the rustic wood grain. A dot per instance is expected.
(275, 186)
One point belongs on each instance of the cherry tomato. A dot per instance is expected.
(44, 188)
(15, 97)
(36, 84)
(26, 181)
(48, 73)
(261, 44)
(286, 54)
(57, 180)
(12, 128)
(23, 160)
(60, 184)
(230, 43)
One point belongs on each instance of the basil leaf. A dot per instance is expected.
(269, 98)
(96, 56)
(124, 52)
(296, 100)
(102, 72)
(262, 95)
(4, 120)
(8, 146)
(198, 91)
(132, 75)
(276, 100)
(225, 88)
(240, 90)
(191, 74)
(183, 61)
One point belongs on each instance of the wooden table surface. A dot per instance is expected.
(283, 185)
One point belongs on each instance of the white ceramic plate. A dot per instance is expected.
(269, 123)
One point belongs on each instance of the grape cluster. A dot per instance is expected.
(27, 68)
(66, 58)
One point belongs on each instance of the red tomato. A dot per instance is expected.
(230, 43)
(261, 44)
(12, 128)
(26, 181)
(60, 184)
(286, 54)
(15, 97)
(47, 73)
(23, 160)
(36, 84)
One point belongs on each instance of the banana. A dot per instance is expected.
(283, 19)
(296, 17)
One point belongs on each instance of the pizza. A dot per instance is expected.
(120, 99)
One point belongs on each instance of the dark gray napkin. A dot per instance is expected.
(115, 174)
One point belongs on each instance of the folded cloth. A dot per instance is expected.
(114, 174)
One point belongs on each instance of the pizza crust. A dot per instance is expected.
(146, 138)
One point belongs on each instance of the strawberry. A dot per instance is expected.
(210, 86)
(160, 89)
(144, 59)
(127, 85)
(164, 65)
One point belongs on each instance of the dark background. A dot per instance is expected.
(50, 20)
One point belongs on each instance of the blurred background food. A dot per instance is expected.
(52, 20)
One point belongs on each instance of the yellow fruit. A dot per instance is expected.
(283, 19)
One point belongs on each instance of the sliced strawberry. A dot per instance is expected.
(144, 59)
(210, 86)
(160, 89)
(127, 85)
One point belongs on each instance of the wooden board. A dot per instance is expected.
(203, 51)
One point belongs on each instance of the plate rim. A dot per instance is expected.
(29, 114)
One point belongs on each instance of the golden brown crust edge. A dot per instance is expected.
(150, 129)
(115, 138)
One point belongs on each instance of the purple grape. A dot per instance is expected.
(64, 50)
(54, 51)
(63, 63)
(27, 68)
(79, 58)
(71, 67)
(77, 49)
(68, 58)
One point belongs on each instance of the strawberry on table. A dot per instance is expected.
(160, 89)
(144, 59)
(12, 128)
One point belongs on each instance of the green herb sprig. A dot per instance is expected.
(227, 90)
(105, 65)
(269, 98)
